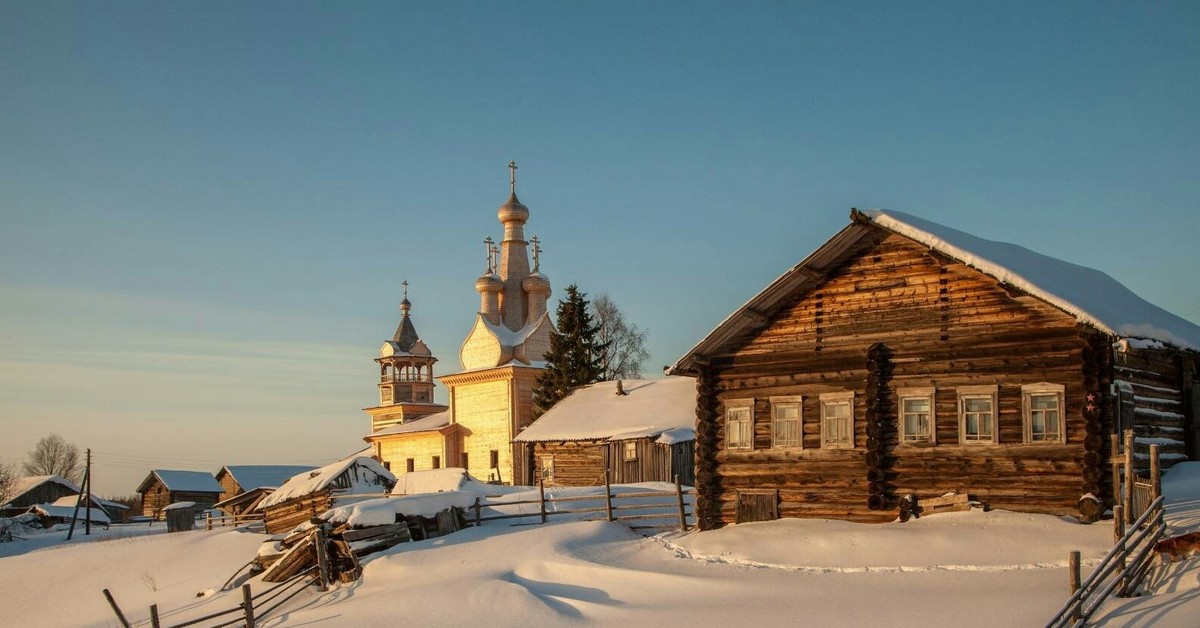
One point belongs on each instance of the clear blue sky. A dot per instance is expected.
(206, 211)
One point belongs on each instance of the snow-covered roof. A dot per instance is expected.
(429, 423)
(252, 476)
(438, 481)
(26, 484)
(312, 481)
(191, 481)
(179, 506)
(97, 515)
(1089, 295)
(596, 412)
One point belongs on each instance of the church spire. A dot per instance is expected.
(514, 259)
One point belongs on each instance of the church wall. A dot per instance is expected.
(482, 411)
(421, 447)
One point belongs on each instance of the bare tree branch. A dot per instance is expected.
(626, 343)
(8, 478)
(53, 455)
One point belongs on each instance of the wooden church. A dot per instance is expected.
(903, 357)
(491, 398)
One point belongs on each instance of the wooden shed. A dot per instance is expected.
(166, 486)
(34, 490)
(635, 431)
(904, 357)
(311, 493)
(260, 480)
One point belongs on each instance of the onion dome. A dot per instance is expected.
(489, 282)
(536, 283)
(513, 210)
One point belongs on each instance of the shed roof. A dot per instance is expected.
(26, 484)
(191, 481)
(252, 476)
(649, 408)
(431, 423)
(312, 481)
(1089, 295)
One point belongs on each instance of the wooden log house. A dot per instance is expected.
(164, 487)
(311, 493)
(903, 357)
(252, 483)
(635, 431)
(39, 489)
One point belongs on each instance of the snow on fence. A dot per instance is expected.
(670, 508)
(253, 608)
(1130, 560)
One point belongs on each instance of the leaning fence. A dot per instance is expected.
(640, 510)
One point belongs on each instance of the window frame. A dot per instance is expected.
(787, 401)
(1028, 391)
(436, 461)
(494, 459)
(989, 392)
(410, 465)
(732, 405)
(928, 393)
(838, 398)
(629, 447)
(548, 467)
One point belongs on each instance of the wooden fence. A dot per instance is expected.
(674, 508)
(254, 608)
(231, 520)
(1127, 564)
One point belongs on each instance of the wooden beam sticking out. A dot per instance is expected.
(758, 319)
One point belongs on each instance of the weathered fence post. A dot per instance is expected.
(322, 557)
(116, 609)
(1074, 576)
(248, 605)
(679, 496)
(478, 520)
(1155, 474)
(208, 521)
(607, 497)
(1115, 463)
(1123, 554)
(154, 621)
(542, 498)
(1118, 522)
(1129, 517)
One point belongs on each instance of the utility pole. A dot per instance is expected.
(87, 478)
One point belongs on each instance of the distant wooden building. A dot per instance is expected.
(165, 486)
(904, 357)
(311, 493)
(34, 490)
(255, 480)
(635, 431)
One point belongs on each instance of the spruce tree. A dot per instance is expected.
(575, 354)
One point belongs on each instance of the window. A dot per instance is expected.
(411, 465)
(387, 465)
(437, 462)
(786, 428)
(739, 424)
(917, 423)
(1042, 405)
(977, 415)
(630, 450)
(837, 420)
(548, 467)
(495, 459)
(466, 460)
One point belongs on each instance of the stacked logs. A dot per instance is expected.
(335, 549)
(881, 428)
(1096, 413)
(708, 485)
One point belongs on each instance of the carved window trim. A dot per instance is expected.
(739, 424)
(829, 401)
(972, 393)
(1043, 389)
(778, 405)
(929, 436)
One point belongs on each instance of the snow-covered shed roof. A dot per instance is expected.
(431, 423)
(252, 476)
(1089, 295)
(191, 481)
(438, 481)
(26, 484)
(62, 509)
(649, 408)
(318, 479)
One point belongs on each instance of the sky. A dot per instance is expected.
(206, 211)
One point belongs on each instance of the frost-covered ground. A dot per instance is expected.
(986, 569)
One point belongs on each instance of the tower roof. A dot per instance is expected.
(406, 340)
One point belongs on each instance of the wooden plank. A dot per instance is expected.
(366, 533)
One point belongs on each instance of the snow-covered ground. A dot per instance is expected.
(987, 569)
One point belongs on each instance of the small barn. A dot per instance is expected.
(63, 509)
(166, 486)
(311, 493)
(635, 430)
(38, 489)
(254, 482)
(905, 357)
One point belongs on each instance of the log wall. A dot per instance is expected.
(943, 325)
(1161, 412)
